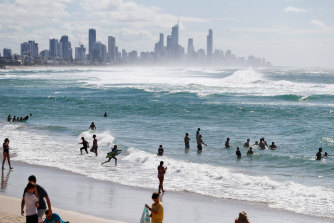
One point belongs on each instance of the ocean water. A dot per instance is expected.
(155, 105)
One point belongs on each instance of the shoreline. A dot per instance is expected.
(78, 193)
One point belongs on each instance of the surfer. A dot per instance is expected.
(9, 118)
(105, 114)
(198, 133)
(157, 209)
(85, 145)
(319, 155)
(186, 141)
(94, 147)
(161, 175)
(112, 156)
(238, 153)
(160, 151)
(273, 146)
(200, 142)
(250, 151)
(26, 118)
(5, 153)
(247, 143)
(227, 143)
(92, 126)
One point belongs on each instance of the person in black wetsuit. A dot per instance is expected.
(238, 153)
(5, 146)
(85, 145)
(319, 155)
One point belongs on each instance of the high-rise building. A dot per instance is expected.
(80, 53)
(159, 46)
(66, 46)
(169, 43)
(91, 41)
(190, 49)
(60, 50)
(209, 43)
(175, 36)
(112, 48)
(29, 49)
(7, 53)
(53, 44)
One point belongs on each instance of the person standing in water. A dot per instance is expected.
(160, 151)
(186, 141)
(247, 143)
(114, 150)
(85, 145)
(5, 153)
(9, 118)
(105, 114)
(227, 143)
(92, 126)
(94, 147)
(198, 133)
(200, 142)
(238, 153)
(161, 176)
(319, 155)
(273, 146)
(250, 151)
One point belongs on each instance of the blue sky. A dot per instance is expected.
(286, 32)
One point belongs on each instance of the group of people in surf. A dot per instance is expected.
(18, 119)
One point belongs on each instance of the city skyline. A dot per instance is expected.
(292, 33)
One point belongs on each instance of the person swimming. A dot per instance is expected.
(326, 154)
(92, 126)
(105, 114)
(160, 151)
(250, 151)
(227, 143)
(319, 155)
(273, 146)
(238, 153)
(247, 143)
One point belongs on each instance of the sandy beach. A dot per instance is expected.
(106, 200)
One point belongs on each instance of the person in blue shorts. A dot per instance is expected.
(53, 218)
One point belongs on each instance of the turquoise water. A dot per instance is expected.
(153, 106)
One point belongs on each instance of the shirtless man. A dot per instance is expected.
(262, 145)
(9, 118)
(186, 141)
(238, 153)
(198, 133)
(247, 143)
(94, 147)
(114, 149)
(200, 142)
(160, 151)
(161, 176)
(92, 126)
(273, 146)
(227, 143)
(319, 155)
(85, 145)
(250, 151)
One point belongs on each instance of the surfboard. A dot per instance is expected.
(145, 217)
(110, 154)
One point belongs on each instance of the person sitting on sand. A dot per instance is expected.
(92, 126)
(94, 147)
(227, 143)
(242, 218)
(250, 151)
(200, 142)
(247, 143)
(273, 146)
(161, 176)
(238, 153)
(160, 151)
(114, 150)
(53, 218)
(9, 118)
(186, 141)
(31, 204)
(319, 155)
(85, 145)
(5, 153)
(157, 209)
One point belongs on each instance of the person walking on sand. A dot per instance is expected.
(92, 126)
(31, 204)
(85, 145)
(94, 147)
(200, 142)
(41, 195)
(161, 175)
(157, 209)
(114, 150)
(243, 218)
(5, 153)
(186, 141)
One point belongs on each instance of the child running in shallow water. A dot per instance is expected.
(113, 156)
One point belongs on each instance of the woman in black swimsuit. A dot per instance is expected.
(5, 146)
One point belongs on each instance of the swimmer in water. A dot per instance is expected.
(227, 143)
(198, 133)
(186, 141)
(262, 145)
(238, 153)
(160, 151)
(92, 126)
(105, 114)
(256, 143)
(319, 155)
(200, 142)
(247, 143)
(9, 118)
(250, 151)
(273, 146)
(326, 154)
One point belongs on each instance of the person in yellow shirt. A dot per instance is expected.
(157, 209)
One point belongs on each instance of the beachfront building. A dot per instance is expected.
(53, 45)
(209, 44)
(29, 49)
(7, 53)
(66, 48)
(111, 49)
(91, 41)
(80, 54)
(191, 49)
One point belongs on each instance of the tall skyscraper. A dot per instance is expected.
(175, 36)
(190, 49)
(67, 49)
(209, 43)
(7, 53)
(159, 46)
(169, 43)
(112, 48)
(80, 53)
(91, 41)
(161, 40)
(29, 49)
(53, 48)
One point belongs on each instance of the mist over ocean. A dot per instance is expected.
(152, 106)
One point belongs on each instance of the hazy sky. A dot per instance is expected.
(285, 32)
